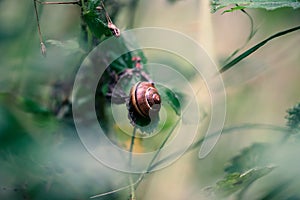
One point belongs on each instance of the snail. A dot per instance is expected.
(144, 104)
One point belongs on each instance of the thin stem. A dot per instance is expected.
(106, 13)
(83, 6)
(112, 191)
(56, 3)
(38, 21)
(132, 191)
(131, 144)
(156, 154)
(150, 165)
(43, 47)
(134, 185)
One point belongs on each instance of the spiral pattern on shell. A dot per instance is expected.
(144, 98)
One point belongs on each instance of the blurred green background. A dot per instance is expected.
(41, 156)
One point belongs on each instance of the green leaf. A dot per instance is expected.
(234, 9)
(172, 98)
(236, 181)
(31, 106)
(95, 24)
(23, 103)
(92, 4)
(249, 158)
(268, 5)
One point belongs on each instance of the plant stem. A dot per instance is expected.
(134, 185)
(83, 6)
(43, 47)
(156, 154)
(132, 189)
(55, 3)
(106, 13)
(38, 21)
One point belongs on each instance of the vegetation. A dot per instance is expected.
(45, 44)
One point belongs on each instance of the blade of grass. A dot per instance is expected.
(254, 48)
(250, 36)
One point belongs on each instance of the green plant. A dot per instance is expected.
(40, 136)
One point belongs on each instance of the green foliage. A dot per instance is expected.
(172, 98)
(234, 9)
(244, 169)
(97, 26)
(37, 159)
(250, 157)
(293, 118)
(269, 5)
(236, 181)
(24, 104)
(96, 19)
(42, 154)
(31, 106)
(258, 160)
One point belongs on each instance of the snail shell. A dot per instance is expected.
(144, 99)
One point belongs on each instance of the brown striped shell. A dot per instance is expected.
(144, 98)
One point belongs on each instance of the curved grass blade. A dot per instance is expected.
(250, 36)
(254, 48)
